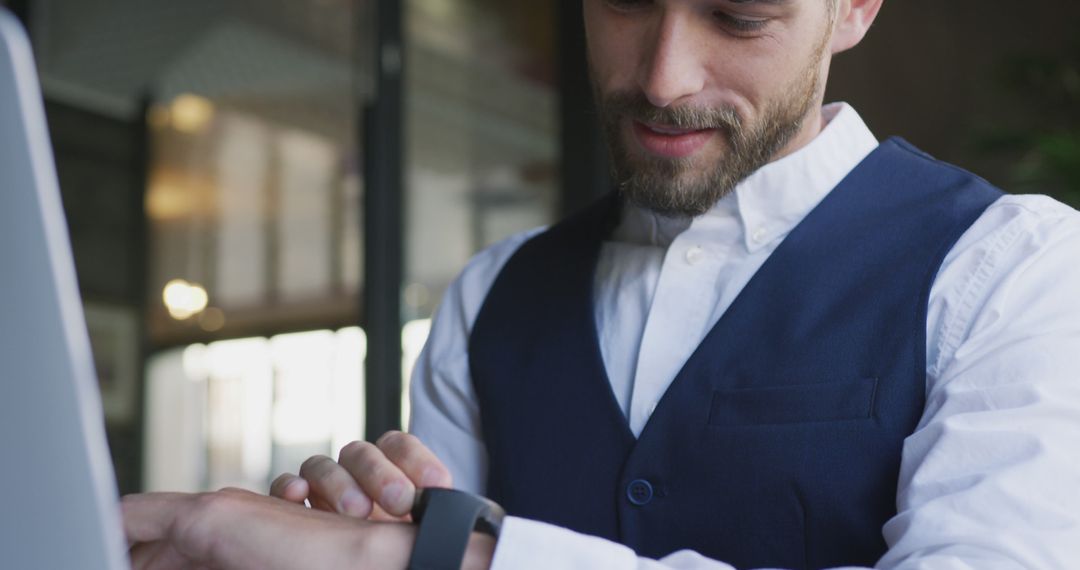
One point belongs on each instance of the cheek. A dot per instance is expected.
(758, 74)
(744, 83)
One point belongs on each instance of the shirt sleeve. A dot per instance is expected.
(445, 415)
(531, 545)
(990, 477)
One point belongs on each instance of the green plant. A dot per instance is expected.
(1049, 148)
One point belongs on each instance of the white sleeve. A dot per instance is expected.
(531, 545)
(444, 412)
(990, 479)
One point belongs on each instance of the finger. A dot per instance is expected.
(379, 514)
(420, 465)
(333, 487)
(378, 477)
(321, 505)
(290, 487)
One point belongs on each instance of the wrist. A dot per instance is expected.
(479, 553)
(387, 545)
(456, 530)
(382, 545)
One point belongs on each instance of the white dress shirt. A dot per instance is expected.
(991, 476)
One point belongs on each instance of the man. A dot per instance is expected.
(781, 343)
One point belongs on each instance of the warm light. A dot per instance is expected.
(191, 113)
(167, 202)
(184, 300)
(180, 195)
(158, 117)
(212, 319)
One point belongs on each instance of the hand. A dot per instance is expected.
(238, 529)
(368, 481)
(233, 529)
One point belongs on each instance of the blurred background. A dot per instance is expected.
(268, 198)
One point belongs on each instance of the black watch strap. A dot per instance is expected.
(446, 518)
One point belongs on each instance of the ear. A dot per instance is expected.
(853, 20)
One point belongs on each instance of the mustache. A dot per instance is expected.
(635, 105)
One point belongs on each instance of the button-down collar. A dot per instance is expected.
(773, 200)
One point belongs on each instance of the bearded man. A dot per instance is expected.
(777, 343)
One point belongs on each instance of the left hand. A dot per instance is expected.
(233, 529)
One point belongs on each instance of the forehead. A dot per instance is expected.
(752, 2)
(739, 3)
(771, 4)
(777, 8)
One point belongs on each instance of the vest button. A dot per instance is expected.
(639, 492)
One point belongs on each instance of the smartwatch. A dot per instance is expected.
(445, 519)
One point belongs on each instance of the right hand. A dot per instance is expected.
(369, 480)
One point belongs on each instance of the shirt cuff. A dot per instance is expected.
(530, 545)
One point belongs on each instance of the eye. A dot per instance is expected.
(741, 24)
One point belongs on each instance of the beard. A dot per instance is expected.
(689, 187)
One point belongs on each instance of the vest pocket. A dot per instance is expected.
(796, 403)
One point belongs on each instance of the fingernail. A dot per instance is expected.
(394, 499)
(291, 486)
(355, 503)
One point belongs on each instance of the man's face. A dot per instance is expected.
(695, 95)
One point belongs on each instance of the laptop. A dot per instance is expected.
(60, 509)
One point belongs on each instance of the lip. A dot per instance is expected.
(670, 142)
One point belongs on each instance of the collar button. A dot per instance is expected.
(759, 234)
(694, 255)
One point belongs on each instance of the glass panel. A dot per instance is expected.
(238, 206)
(253, 182)
(261, 224)
(482, 137)
(309, 178)
(175, 433)
(252, 205)
(482, 130)
(238, 412)
(413, 337)
(239, 398)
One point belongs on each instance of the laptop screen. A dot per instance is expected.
(60, 506)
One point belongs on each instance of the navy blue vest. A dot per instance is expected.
(778, 444)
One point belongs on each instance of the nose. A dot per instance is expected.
(673, 68)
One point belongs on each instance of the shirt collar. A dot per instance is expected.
(773, 200)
